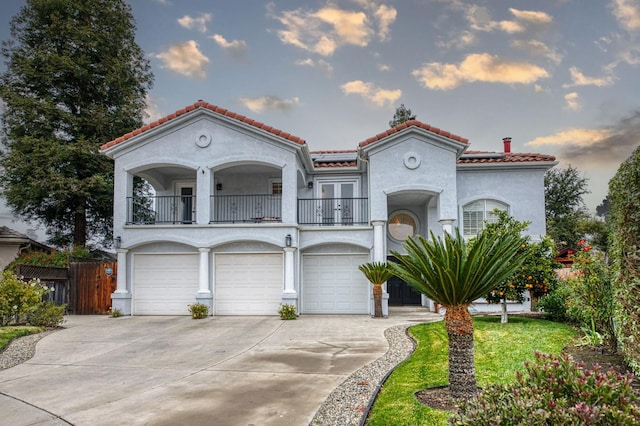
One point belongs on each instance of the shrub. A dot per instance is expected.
(115, 313)
(625, 254)
(555, 390)
(288, 312)
(18, 298)
(556, 303)
(198, 310)
(48, 314)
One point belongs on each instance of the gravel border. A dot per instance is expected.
(349, 403)
(21, 349)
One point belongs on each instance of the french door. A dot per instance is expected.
(337, 202)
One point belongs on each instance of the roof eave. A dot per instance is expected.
(544, 165)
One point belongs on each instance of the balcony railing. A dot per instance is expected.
(257, 208)
(161, 209)
(333, 211)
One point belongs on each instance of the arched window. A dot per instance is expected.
(476, 213)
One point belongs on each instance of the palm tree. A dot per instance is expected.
(377, 273)
(454, 273)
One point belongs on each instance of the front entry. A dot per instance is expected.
(401, 293)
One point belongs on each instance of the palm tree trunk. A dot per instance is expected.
(462, 370)
(377, 300)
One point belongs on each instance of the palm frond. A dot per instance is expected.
(452, 271)
(376, 272)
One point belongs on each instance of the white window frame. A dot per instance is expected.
(272, 182)
(486, 212)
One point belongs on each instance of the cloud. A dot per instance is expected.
(384, 67)
(368, 91)
(152, 111)
(627, 12)
(269, 103)
(324, 30)
(458, 40)
(235, 48)
(573, 101)
(386, 16)
(198, 24)
(537, 48)
(533, 17)
(478, 67)
(579, 79)
(186, 59)
(322, 65)
(598, 147)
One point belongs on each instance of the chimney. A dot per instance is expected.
(507, 144)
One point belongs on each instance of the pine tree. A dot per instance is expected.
(75, 79)
(402, 115)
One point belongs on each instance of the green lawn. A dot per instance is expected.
(500, 350)
(9, 333)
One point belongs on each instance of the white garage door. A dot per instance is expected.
(248, 284)
(164, 284)
(333, 284)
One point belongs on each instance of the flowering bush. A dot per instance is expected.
(18, 298)
(57, 258)
(555, 391)
(590, 303)
(288, 312)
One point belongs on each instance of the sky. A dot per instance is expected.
(559, 77)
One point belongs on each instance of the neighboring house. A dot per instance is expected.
(245, 218)
(13, 242)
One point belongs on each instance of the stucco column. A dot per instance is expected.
(378, 241)
(203, 193)
(122, 272)
(289, 287)
(203, 276)
(447, 225)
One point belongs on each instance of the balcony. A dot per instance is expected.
(257, 208)
(165, 209)
(333, 211)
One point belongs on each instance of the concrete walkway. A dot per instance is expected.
(175, 370)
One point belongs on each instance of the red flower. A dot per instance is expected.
(587, 248)
(581, 242)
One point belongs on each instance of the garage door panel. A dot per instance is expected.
(248, 284)
(333, 284)
(164, 284)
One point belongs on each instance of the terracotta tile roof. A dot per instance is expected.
(334, 158)
(480, 157)
(410, 123)
(211, 107)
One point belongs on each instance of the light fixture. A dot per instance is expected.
(287, 240)
(310, 184)
(108, 271)
(117, 242)
(218, 186)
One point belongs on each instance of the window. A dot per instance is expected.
(276, 186)
(476, 213)
(402, 225)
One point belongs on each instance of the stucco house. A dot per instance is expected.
(243, 217)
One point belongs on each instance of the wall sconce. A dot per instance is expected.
(218, 187)
(310, 185)
(287, 240)
(117, 242)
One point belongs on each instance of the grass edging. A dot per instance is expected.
(500, 350)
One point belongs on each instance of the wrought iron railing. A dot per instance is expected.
(333, 211)
(256, 208)
(161, 209)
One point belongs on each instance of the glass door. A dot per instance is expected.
(186, 206)
(337, 200)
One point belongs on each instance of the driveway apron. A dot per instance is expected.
(175, 370)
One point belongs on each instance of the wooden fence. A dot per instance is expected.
(84, 287)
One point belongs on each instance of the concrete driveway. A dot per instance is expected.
(175, 370)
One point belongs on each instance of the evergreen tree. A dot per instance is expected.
(75, 79)
(564, 205)
(402, 115)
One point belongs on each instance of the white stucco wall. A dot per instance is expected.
(521, 188)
